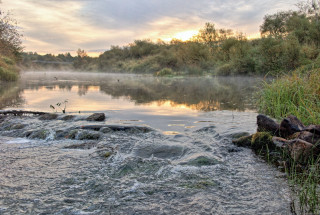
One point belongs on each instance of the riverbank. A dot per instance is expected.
(8, 69)
(297, 94)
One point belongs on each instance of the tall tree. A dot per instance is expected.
(10, 38)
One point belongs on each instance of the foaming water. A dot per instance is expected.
(165, 148)
(198, 171)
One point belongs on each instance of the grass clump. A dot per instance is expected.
(306, 187)
(297, 94)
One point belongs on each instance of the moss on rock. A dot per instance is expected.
(262, 141)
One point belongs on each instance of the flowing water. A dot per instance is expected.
(164, 148)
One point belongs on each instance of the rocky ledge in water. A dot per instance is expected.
(285, 143)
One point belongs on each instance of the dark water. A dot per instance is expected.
(186, 164)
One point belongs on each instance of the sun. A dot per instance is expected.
(185, 35)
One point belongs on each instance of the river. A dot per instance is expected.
(175, 157)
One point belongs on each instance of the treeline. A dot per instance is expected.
(10, 48)
(289, 40)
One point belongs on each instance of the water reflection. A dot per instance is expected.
(10, 95)
(195, 93)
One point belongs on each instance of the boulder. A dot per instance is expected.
(301, 151)
(290, 125)
(265, 124)
(96, 117)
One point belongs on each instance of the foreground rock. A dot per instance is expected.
(96, 117)
(288, 141)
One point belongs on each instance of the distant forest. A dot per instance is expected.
(289, 40)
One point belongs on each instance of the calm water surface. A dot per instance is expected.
(185, 165)
(159, 102)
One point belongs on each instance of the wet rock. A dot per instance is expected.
(202, 161)
(86, 135)
(96, 117)
(38, 134)
(290, 125)
(72, 134)
(262, 141)
(48, 116)
(18, 126)
(243, 141)
(68, 118)
(11, 126)
(105, 130)
(130, 129)
(61, 134)
(266, 124)
(117, 128)
(88, 145)
(301, 151)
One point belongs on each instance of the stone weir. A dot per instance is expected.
(284, 144)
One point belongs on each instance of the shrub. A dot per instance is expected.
(165, 72)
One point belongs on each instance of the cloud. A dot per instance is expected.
(57, 25)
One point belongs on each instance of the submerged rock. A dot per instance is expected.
(96, 117)
(202, 161)
(244, 141)
(160, 151)
(239, 135)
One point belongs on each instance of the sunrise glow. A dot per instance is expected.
(185, 35)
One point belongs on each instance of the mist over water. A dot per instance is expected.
(165, 147)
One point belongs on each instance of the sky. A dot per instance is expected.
(60, 26)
